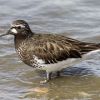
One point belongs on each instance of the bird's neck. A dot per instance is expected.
(19, 39)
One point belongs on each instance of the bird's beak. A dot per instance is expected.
(3, 34)
(7, 33)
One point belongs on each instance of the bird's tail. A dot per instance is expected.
(87, 47)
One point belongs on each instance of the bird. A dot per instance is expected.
(48, 52)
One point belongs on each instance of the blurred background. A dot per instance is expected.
(79, 19)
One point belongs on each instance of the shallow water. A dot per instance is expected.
(79, 19)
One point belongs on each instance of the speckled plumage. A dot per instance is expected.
(51, 48)
(43, 50)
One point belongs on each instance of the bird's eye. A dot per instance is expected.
(19, 27)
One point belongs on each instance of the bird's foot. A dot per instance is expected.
(48, 77)
(43, 82)
(58, 73)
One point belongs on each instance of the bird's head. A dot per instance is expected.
(19, 27)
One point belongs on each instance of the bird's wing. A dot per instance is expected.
(53, 50)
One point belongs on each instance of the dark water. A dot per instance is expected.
(78, 19)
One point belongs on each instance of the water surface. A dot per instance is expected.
(79, 19)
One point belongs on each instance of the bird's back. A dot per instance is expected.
(53, 48)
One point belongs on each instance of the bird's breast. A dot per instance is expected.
(29, 58)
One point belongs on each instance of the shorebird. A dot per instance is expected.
(49, 52)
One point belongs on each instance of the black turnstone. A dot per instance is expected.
(49, 52)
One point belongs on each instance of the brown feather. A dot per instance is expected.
(54, 48)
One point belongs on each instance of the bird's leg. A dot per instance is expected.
(48, 77)
(58, 73)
